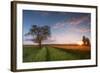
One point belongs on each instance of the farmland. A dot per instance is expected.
(32, 53)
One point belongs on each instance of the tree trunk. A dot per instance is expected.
(40, 44)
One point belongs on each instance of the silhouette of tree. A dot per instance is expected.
(39, 34)
(86, 41)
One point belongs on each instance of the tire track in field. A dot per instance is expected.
(47, 54)
(43, 55)
(58, 54)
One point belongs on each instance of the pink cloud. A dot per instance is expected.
(82, 30)
(77, 21)
(73, 21)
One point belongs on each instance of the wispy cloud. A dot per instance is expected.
(81, 30)
(45, 13)
(77, 20)
(74, 21)
(59, 25)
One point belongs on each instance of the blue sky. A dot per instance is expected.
(66, 27)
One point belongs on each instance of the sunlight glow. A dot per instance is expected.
(80, 43)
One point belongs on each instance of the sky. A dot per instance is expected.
(66, 27)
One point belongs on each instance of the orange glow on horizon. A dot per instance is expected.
(80, 43)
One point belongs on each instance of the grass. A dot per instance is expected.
(29, 53)
(57, 54)
(48, 53)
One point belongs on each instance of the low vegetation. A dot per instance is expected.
(54, 53)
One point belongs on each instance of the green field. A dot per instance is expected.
(48, 53)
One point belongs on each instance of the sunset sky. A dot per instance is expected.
(66, 27)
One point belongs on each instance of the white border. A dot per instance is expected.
(21, 65)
